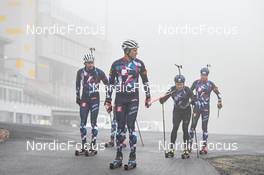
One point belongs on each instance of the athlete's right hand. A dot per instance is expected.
(219, 104)
(78, 100)
(108, 106)
(148, 102)
(161, 100)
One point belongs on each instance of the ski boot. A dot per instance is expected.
(117, 163)
(170, 153)
(204, 150)
(82, 151)
(190, 145)
(91, 152)
(131, 162)
(185, 154)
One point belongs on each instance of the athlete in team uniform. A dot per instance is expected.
(124, 76)
(203, 88)
(89, 78)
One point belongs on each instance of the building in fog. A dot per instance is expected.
(38, 69)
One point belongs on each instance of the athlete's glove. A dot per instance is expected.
(161, 100)
(219, 104)
(108, 106)
(147, 102)
(78, 101)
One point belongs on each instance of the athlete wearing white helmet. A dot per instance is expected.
(124, 76)
(89, 78)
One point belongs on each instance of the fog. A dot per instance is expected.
(236, 59)
(226, 34)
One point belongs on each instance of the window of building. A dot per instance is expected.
(1, 52)
(14, 95)
(2, 93)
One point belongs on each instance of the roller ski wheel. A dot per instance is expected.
(91, 152)
(81, 152)
(109, 144)
(169, 154)
(204, 150)
(185, 154)
(131, 165)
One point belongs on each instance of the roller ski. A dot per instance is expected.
(185, 154)
(131, 162)
(117, 163)
(204, 150)
(131, 165)
(92, 152)
(170, 153)
(81, 152)
(87, 153)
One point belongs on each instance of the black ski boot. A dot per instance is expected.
(185, 154)
(117, 163)
(131, 162)
(170, 153)
(92, 151)
(82, 151)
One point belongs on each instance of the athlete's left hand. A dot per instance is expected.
(147, 102)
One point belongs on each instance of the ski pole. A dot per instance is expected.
(218, 113)
(195, 135)
(196, 143)
(110, 114)
(163, 120)
(141, 139)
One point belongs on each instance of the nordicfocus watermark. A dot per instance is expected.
(70, 29)
(133, 87)
(56, 145)
(197, 30)
(217, 146)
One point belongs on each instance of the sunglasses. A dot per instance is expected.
(89, 62)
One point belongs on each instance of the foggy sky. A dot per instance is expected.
(236, 59)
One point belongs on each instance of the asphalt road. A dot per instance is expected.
(16, 159)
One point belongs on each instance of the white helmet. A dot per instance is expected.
(88, 58)
(129, 44)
